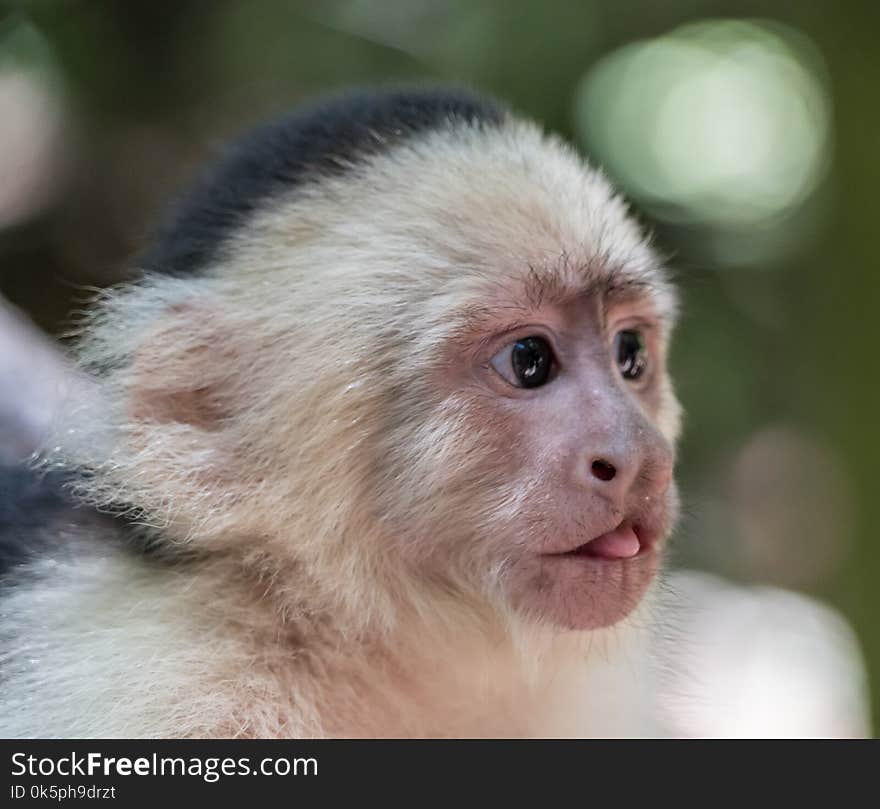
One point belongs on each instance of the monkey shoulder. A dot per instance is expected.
(105, 636)
(89, 622)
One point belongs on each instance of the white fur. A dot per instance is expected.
(112, 648)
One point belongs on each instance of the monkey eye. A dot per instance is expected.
(527, 363)
(630, 354)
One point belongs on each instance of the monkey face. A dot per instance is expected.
(557, 456)
(580, 389)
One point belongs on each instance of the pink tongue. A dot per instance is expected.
(621, 543)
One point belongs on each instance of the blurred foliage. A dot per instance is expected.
(777, 463)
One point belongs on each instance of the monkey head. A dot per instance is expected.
(399, 351)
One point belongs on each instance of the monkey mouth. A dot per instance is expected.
(599, 582)
(625, 541)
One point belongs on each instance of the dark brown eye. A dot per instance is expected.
(527, 363)
(630, 354)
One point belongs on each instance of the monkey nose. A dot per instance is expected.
(612, 476)
(603, 470)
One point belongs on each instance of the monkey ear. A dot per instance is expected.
(181, 453)
(182, 372)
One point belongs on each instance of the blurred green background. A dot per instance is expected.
(746, 134)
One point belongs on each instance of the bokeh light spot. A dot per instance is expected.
(724, 123)
(32, 158)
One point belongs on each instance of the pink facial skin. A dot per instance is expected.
(585, 455)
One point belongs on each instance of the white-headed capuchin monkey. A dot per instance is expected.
(383, 447)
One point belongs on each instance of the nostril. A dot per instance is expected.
(602, 469)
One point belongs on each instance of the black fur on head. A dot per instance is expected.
(324, 139)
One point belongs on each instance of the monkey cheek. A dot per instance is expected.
(582, 593)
